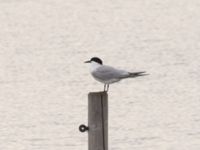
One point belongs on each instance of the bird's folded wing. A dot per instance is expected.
(107, 73)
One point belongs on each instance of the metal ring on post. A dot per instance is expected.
(83, 128)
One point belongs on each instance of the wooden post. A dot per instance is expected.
(98, 121)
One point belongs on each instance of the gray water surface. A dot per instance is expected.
(44, 82)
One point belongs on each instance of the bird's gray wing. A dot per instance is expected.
(107, 73)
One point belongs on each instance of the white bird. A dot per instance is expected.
(108, 75)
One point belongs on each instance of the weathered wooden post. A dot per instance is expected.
(97, 121)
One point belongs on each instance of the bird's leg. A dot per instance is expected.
(104, 89)
(107, 87)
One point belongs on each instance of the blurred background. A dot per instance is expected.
(44, 82)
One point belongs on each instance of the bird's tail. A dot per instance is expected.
(137, 74)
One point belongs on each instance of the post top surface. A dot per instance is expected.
(100, 92)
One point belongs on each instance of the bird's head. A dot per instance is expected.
(96, 60)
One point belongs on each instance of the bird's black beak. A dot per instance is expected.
(87, 61)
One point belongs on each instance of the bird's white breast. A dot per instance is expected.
(94, 66)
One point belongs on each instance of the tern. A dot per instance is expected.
(107, 74)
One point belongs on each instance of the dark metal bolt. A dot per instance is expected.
(83, 128)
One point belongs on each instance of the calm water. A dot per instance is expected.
(44, 82)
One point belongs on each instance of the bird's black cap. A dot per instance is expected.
(95, 59)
